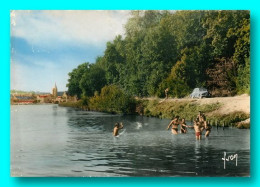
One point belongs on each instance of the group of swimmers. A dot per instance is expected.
(199, 124)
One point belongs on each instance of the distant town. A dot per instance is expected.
(55, 97)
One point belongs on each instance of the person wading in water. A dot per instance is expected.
(183, 126)
(197, 129)
(117, 128)
(174, 123)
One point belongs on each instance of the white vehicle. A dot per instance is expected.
(199, 93)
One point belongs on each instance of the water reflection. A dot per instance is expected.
(80, 143)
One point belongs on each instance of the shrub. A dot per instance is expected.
(112, 99)
(170, 109)
(231, 118)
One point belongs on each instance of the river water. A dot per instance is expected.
(48, 140)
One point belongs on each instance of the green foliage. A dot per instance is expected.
(176, 82)
(189, 110)
(243, 81)
(112, 99)
(85, 101)
(113, 57)
(163, 49)
(228, 119)
(78, 104)
(74, 79)
(92, 80)
(169, 109)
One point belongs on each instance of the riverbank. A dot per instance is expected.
(32, 103)
(228, 111)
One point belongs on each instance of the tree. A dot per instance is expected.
(92, 80)
(171, 49)
(74, 80)
(113, 99)
(220, 27)
(176, 81)
(114, 55)
(243, 80)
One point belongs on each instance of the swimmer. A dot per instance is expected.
(197, 129)
(208, 129)
(117, 128)
(174, 123)
(183, 126)
(201, 117)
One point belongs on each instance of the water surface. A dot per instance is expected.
(48, 140)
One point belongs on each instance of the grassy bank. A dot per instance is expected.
(169, 109)
(187, 109)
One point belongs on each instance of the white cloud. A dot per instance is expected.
(53, 27)
(39, 78)
(46, 31)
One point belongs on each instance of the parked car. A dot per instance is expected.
(199, 93)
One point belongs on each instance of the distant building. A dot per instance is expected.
(22, 99)
(55, 92)
(44, 98)
(54, 97)
(58, 97)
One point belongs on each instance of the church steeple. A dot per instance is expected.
(55, 91)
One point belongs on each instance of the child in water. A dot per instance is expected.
(117, 128)
(183, 126)
(197, 129)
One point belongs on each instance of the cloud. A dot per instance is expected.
(34, 68)
(51, 28)
(40, 76)
(47, 45)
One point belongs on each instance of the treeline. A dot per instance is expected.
(175, 50)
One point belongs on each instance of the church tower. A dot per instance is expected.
(55, 91)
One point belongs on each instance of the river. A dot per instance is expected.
(48, 140)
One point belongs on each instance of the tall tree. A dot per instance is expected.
(171, 49)
(74, 79)
(92, 80)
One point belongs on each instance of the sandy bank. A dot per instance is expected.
(228, 104)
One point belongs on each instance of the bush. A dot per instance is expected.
(112, 99)
(169, 109)
(85, 100)
(231, 118)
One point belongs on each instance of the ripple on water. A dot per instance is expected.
(80, 143)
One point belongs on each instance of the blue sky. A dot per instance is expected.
(47, 45)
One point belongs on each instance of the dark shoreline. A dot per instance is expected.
(186, 109)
